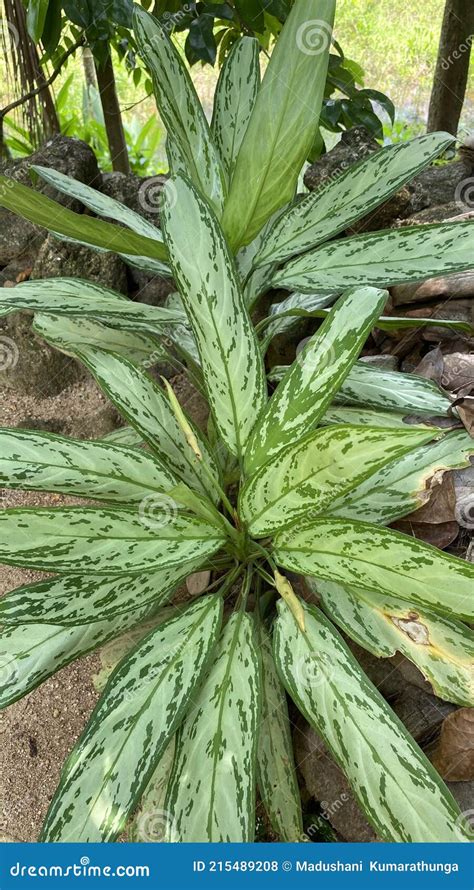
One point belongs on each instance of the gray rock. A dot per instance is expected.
(28, 365)
(19, 239)
(448, 183)
(73, 157)
(62, 259)
(154, 291)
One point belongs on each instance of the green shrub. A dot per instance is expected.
(304, 480)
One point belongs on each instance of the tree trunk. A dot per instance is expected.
(112, 115)
(452, 67)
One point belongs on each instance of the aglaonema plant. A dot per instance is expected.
(303, 480)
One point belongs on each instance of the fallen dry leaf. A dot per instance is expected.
(454, 757)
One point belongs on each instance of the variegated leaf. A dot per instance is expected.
(144, 405)
(276, 772)
(42, 211)
(74, 297)
(376, 388)
(211, 795)
(403, 485)
(206, 276)
(98, 202)
(303, 479)
(76, 599)
(36, 461)
(150, 821)
(70, 335)
(371, 387)
(30, 653)
(313, 379)
(398, 323)
(283, 123)
(182, 334)
(369, 417)
(443, 649)
(132, 725)
(353, 195)
(124, 435)
(180, 109)
(234, 99)
(398, 789)
(382, 258)
(113, 541)
(283, 321)
(379, 559)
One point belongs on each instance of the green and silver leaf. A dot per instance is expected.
(113, 541)
(77, 298)
(404, 485)
(379, 559)
(36, 461)
(98, 202)
(317, 374)
(370, 387)
(144, 405)
(71, 335)
(382, 259)
(76, 599)
(30, 653)
(276, 773)
(234, 99)
(133, 723)
(353, 195)
(303, 479)
(211, 796)
(443, 649)
(207, 279)
(180, 109)
(400, 792)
